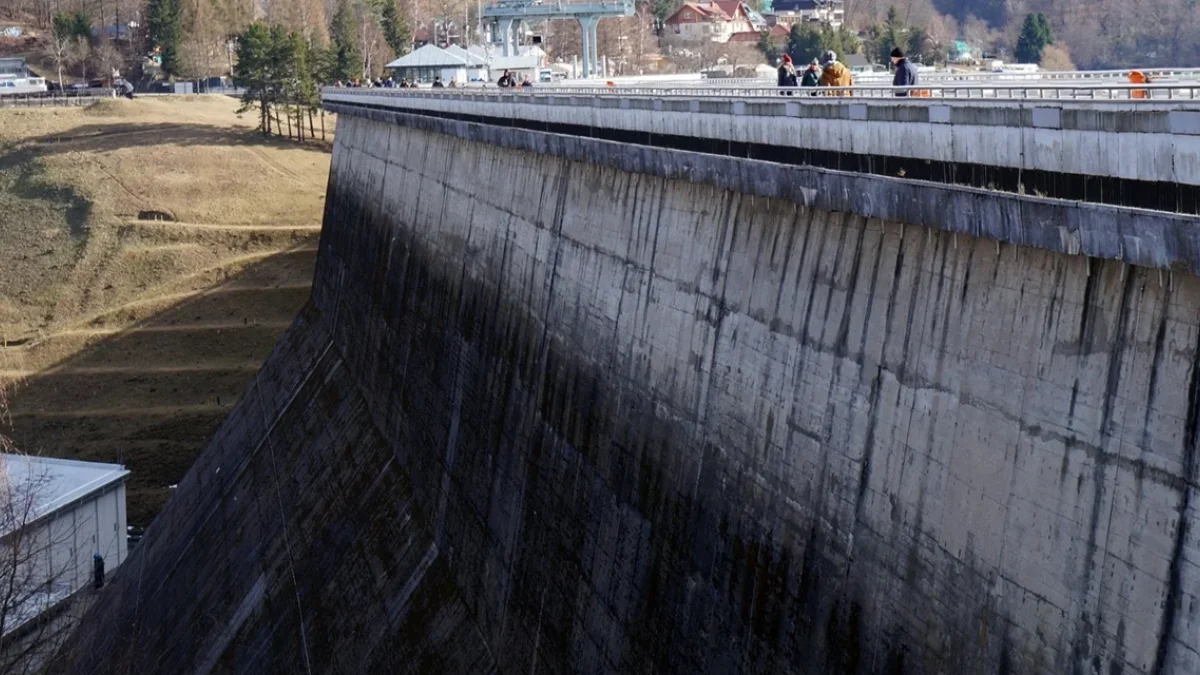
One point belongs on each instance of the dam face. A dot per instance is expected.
(552, 415)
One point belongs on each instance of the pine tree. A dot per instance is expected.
(1036, 34)
(70, 26)
(165, 30)
(804, 42)
(807, 42)
(893, 33)
(254, 63)
(347, 58)
(395, 29)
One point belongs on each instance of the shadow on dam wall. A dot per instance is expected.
(543, 416)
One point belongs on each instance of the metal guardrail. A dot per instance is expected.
(1159, 75)
(1122, 93)
(56, 99)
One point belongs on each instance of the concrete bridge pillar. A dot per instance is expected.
(506, 36)
(590, 49)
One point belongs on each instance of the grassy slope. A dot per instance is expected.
(130, 334)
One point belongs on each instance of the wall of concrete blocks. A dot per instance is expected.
(545, 415)
(1151, 142)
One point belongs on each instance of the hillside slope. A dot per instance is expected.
(159, 248)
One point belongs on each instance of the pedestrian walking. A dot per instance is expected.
(906, 72)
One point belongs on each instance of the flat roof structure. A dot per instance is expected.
(429, 56)
(59, 482)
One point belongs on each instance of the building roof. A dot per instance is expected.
(501, 63)
(429, 56)
(470, 57)
(12, 65)
(805, 5)
(723, 10)
(53, 483)
(746, 36)
(855, 60)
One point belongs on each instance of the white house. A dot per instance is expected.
(429, 62)
(58, 517)
(716, 21)
(788, 12)
(477, 70)
(519, 66)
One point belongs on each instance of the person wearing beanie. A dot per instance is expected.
(787, 73)
(906, 72)
(812, 75)
(836, 74)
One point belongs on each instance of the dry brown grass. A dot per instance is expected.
(108, 312)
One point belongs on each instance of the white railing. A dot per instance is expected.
(1099, 92)
(1160, 75)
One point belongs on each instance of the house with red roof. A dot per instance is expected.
(777, 35)
(716, 21)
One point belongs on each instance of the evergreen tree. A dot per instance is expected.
(807, 42)
(81, 26)
(663, 9)
(890, 34)
(347, 58)
(769, 49)
(70, 26)
(254, 65)
(395, 28)
(163, 24)
(804, 42)
(1036, 34)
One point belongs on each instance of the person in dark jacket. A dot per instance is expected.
(506, 81)
(812, 75)
(906, 72)
(787, 73)
(437, 83)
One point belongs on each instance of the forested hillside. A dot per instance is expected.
(1095, 33)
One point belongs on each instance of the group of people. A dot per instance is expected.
(836, 74)
(508, 81)
(391, 83)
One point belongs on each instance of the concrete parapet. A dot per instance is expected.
(1151, 239)
(1145, 142)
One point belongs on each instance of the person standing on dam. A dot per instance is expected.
(836, 74)
(906, 72)
(787, 73)
(812, 75)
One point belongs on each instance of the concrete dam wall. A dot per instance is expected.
(546, 415)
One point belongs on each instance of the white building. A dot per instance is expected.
(56, 517)
(715, 21)
(428, 63)
(788, 12)
(519, 67)
(477, 70)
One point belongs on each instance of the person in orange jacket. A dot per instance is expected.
(836, 74)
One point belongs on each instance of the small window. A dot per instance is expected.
(687, 16)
